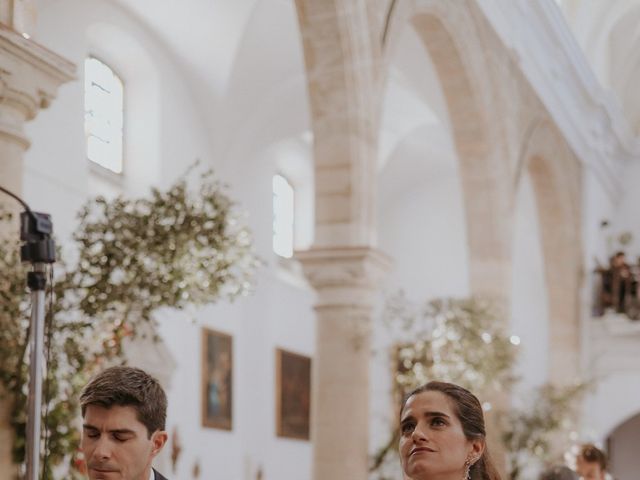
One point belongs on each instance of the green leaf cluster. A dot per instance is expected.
(176, 248)
(533, 430)
(463, 341)
(458, 340)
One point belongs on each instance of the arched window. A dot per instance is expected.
(103, 115)
(283, 215)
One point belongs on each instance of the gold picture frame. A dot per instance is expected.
(293, 395)
(217, 379)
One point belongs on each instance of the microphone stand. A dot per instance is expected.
(36, 281)
(39, 249)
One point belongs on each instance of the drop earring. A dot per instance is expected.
(467, 468)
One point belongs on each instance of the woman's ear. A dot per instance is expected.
(477, 449)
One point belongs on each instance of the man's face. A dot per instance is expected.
(589, 470)
(116, 445)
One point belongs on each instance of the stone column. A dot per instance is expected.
(18, 15)
(29, 78)
(346, 281)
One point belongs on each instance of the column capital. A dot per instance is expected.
(30, 75)
(344, 275)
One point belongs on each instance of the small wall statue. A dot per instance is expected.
(618, 287)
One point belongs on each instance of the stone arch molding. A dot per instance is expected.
(342, 59)
(556, 178)
(596, 29)
(461, 23)
(455, 37)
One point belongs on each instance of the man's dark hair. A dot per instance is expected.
(128, 387)
(592, 454)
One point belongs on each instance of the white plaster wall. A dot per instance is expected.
(423, 228)
(615, 399)
(623, 217)
(262, 129)
(278, 315)
(597, 206)
(413, 98)
(529, 309)
(173, 134)
(609, 357)
(266, 95)
(162, 127)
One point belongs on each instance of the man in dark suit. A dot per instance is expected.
(124, 412)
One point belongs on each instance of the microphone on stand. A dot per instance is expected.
(38, 248)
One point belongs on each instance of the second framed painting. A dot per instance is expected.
(217, 379)
(293, 395)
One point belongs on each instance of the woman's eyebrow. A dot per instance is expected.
(428, 414)
(409, 416)
(436, 414)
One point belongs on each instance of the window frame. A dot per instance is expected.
(293, 217)
(94, 166)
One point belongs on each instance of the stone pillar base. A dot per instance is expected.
(346, 281)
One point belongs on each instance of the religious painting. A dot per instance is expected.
(217, 379)
(293, 395)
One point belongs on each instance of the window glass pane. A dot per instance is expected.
(103, 114)
(282, 216)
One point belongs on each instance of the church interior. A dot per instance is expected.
(395, 165)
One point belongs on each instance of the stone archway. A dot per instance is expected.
(556, 177)
(484, 188)
(456, 39)
(462, 49)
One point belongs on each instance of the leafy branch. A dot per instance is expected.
(176, 248)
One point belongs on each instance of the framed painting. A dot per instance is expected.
(217, 379)
(293, 395)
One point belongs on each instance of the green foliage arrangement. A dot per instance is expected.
(453, 340)
(68, 342)
(533, 431)
(463, 341)
(173, 249)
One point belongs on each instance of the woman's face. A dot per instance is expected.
(432, 442)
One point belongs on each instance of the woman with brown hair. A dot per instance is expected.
(443, 435)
